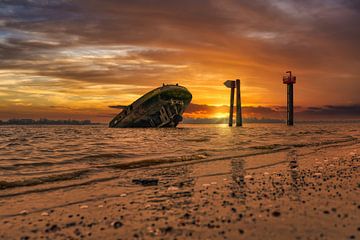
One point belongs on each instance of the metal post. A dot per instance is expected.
(290, 80)
(238, 104)
(290, 108)
(232, 103)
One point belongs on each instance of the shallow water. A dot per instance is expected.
(37, 155)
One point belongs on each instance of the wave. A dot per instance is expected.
(86, 158)
(41, 180)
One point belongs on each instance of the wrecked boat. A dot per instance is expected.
(161, 107)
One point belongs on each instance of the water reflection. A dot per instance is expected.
(239, 186)
(294, 175)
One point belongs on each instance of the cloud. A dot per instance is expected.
(68, 47)
(329, 112)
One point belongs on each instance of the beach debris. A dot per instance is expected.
(123, 195)
(24, 212)
(53, 228)
(44, 214)
(276, 213)
(84, 206)
(172, 188)
(146, 182)
(248, 177)
(166, 229)
(117, 224)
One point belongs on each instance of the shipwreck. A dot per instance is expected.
(161, 107)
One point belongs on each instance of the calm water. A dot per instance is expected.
(33, 155)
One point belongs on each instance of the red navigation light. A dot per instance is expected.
(289, 79)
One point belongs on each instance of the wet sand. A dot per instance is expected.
(298, 193)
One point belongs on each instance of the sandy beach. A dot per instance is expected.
(286, 193)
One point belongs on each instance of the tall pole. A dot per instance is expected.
(231, 103)
(290, 80)
(290, 108)
(238, 104)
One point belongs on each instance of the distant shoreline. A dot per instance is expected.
(47, 122)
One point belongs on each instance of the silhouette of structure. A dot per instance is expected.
(161, 107)
(238, 104)
(232, 84)
(290, 80)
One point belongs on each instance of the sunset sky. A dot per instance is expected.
(72, 59)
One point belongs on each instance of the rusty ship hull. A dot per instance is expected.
(161, 107)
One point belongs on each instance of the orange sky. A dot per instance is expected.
(72, 59)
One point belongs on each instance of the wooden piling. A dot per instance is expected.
(238, 104)
(231, 103)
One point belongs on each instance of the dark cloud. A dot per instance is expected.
(329, 112)
(148, 42)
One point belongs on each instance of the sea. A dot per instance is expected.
(41, 154)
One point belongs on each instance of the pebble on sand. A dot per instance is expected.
(24, 212)
(117, 224)
(276, 213)
(146, 182)
(248, 177)
(44, 214)
(206, 185)
(172, 188)
(84, 206)
(123, 195)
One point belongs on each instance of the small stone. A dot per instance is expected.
(276, 213)
(53, 228)
(100, 206)
(173, 188)
(116, 224)
(44, 214)
(206, 185)
(123, 195)
(146, 182)
(213, 183)
(84, 206)
(24, 212)
(248, 177)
